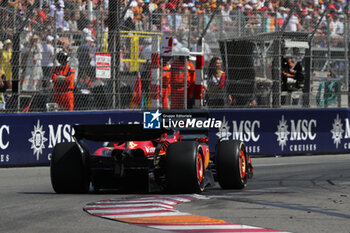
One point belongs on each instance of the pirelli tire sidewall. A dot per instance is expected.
(67, 171)
(229, 165)
(182, 163)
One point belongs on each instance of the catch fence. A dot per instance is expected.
(118, 74)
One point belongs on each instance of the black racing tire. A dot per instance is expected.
(185, 167)
(67, 171)
(231, 162)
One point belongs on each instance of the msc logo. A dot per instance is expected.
(151, 120)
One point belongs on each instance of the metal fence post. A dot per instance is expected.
(346, 67)
(155, 72)
(239, 23)
(307, 81)
(276, 73)
(185, 84)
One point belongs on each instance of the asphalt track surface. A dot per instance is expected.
(294, 194)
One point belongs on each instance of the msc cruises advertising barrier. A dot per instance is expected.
(286, 131)
(29, 138)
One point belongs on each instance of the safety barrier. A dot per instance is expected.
(28, 139)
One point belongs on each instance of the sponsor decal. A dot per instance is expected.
(4, 143)
(62, 133)
(132, 145)
(282, 133)
(224, 131)
(301, 131)
(56, 134)
(337, 131)
(341, 132)
(245, 130)
(38, 139)
(150, 149)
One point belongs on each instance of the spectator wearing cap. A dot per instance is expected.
(64, 41)
(58, 9)
(333, 26)
(340, 25)
(85, 56)
(283, 12)
(304, 19)
(338, 8)
(5, 62)
(48, 60)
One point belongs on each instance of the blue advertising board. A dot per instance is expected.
(286, 131)
(28, 139)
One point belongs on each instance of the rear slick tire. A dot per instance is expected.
(185, 167)
(231, 164)
(67, 171)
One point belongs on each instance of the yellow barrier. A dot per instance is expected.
(134, 46)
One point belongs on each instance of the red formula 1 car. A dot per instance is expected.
(142, 159)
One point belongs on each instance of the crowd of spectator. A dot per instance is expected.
(185, 18)
(48, 26)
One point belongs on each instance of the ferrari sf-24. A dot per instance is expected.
(146, 159)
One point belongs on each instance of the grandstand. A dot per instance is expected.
(122, 34)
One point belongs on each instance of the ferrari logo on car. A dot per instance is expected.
(132, 145)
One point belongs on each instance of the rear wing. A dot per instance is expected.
(190, 133)
(120, 132)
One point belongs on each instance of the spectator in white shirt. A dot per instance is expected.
(340, 25)
(47, 60)
(58, 7)
(293, 23)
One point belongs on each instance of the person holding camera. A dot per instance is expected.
(32, 59)
(63, 83)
